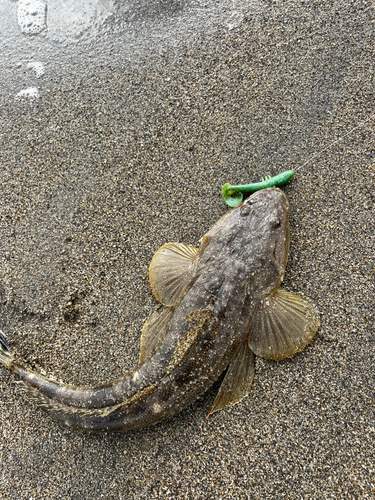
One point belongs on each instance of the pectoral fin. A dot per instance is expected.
(154, 332)
(171, 268)
(283, 325)
(237, 381)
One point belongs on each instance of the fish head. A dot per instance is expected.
(254, 238)
(265, 217)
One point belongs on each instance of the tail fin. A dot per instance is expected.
(6, 357)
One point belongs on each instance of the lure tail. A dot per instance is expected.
(6, 358)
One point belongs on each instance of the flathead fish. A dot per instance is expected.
(223, 306)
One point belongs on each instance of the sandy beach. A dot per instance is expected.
(118, 127)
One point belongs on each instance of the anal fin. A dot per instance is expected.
(237, 381)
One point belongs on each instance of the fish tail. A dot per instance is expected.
(6, 358)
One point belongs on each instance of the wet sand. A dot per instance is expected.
(122, 152)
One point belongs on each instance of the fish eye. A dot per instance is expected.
(276, 223)
(244, 210)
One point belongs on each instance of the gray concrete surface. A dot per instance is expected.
(142, 113)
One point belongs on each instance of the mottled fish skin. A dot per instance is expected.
(241, 259)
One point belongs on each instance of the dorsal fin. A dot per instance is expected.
(283, 324)
(154, 332)
(171, 268)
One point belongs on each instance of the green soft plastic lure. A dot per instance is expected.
(233, 195)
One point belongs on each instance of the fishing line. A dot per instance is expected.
(233, 195)
(334, 142)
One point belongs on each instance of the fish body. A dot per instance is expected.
(222, 306)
